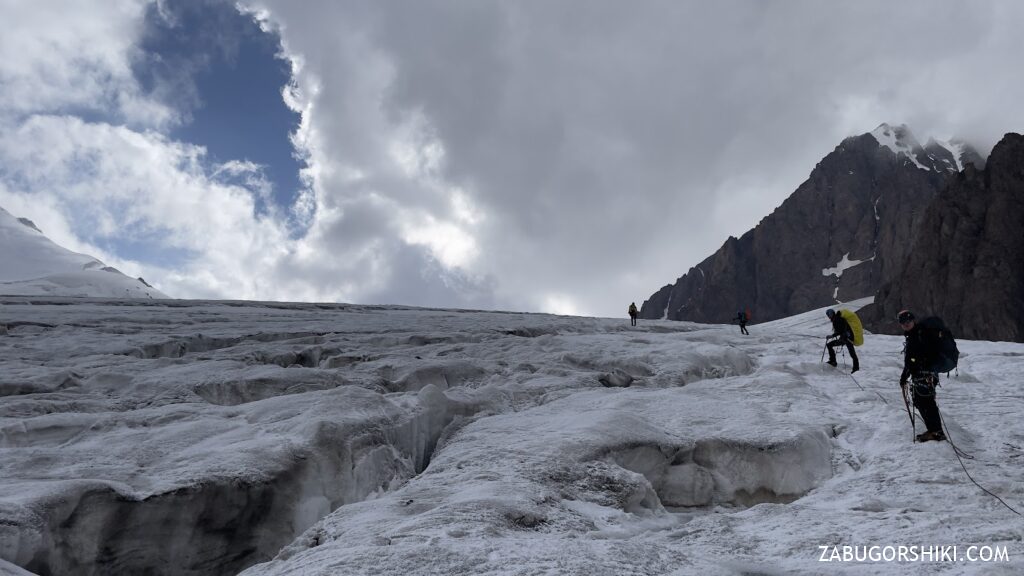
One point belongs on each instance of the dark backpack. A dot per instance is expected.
(940, 345)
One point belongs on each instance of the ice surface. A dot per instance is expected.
(171, 437)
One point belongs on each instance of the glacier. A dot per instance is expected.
(269, 438)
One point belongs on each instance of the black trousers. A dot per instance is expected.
(632, 319)
(842, 342)
(743, 328)
(923, 388)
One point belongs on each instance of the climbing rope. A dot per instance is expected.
(910, 412)
(855, 381)
(882, 398)
(957, 452)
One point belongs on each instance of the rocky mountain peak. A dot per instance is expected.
(941, 156)
(835, 239)
(967, 260)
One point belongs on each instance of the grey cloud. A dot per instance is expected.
(608, 143)
(417, 280)
(372, 266)
(359, 220)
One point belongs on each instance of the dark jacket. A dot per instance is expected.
(920, 351)
(840, 327)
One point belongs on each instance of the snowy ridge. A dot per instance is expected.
(32, 264)
(957, 150)
(938, 155)
(26, 253)
(383, 440)
(900, 141)
(102, 282)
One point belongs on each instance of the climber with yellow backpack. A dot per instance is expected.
(846, 331)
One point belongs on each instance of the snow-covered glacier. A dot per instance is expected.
(191, 437)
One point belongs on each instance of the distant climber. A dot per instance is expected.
(842, 335)
(930, 349)
(741, 318)
(632, 313)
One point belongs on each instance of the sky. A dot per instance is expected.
(568, 157)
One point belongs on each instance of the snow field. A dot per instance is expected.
(206, 437)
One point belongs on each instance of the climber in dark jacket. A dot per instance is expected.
(842, 335)
(917, 358)
(741, 317)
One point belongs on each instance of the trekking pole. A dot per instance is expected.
(825, 348)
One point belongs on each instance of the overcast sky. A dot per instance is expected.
(564, 156)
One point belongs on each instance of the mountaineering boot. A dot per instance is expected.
(832, 362)
(855, 368)
(926, 436)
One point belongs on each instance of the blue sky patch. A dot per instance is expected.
(216, 67)
(151, 250)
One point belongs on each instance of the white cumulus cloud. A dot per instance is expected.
(567, 157)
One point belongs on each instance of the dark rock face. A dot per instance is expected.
(30, 224)
(944, 159)
(967, 261)
(863, 202)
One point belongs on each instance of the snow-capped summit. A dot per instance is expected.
(26, 253)
(937, 155)
(32, 264)
(899, 139)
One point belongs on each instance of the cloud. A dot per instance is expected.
(73, 57)
(111, 182)
(79, 163)
(567, 157)
(611, 147)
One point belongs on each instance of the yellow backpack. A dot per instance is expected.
(855, 325)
